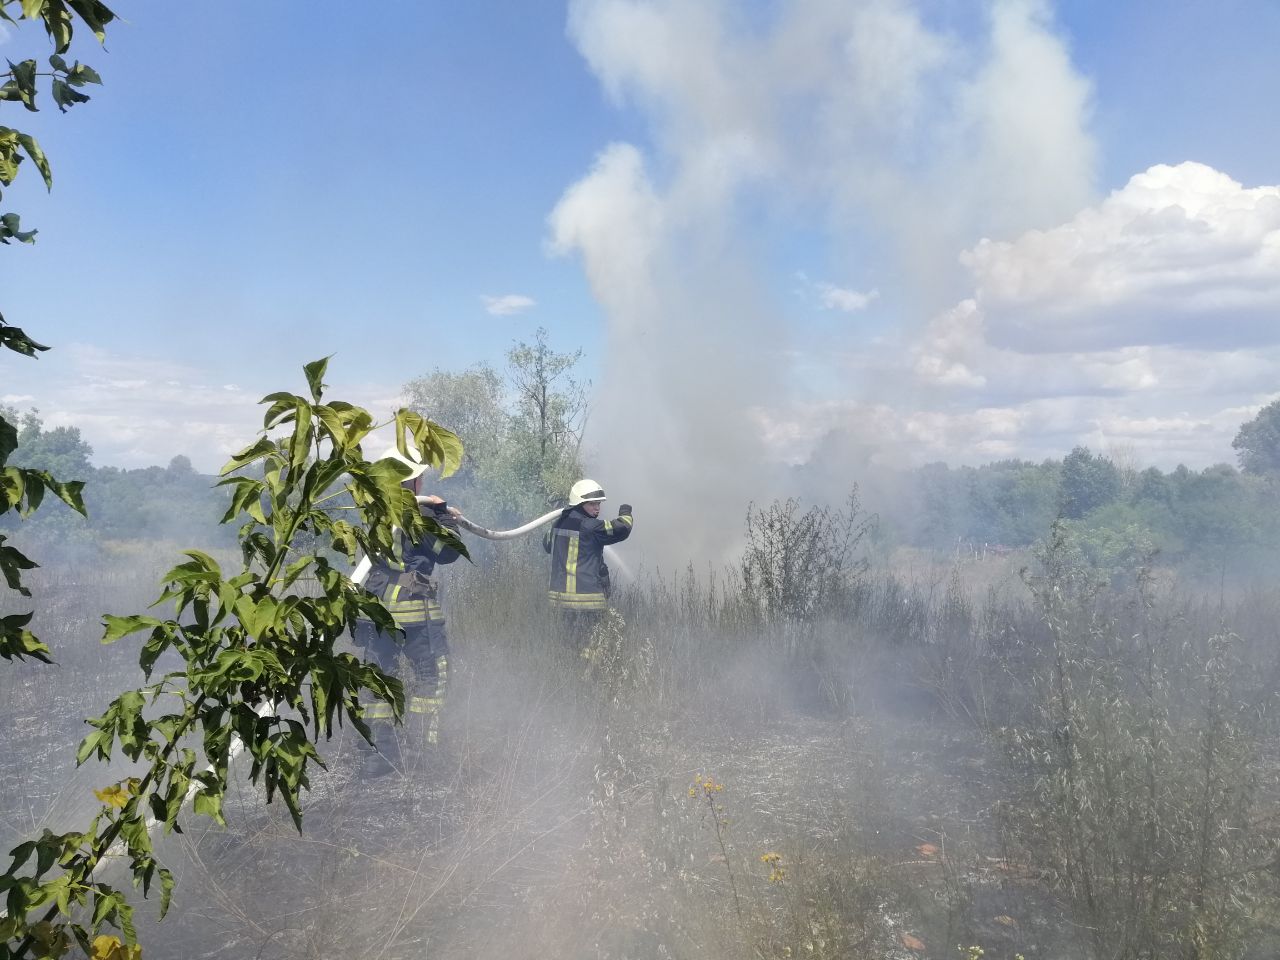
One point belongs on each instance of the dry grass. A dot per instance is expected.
(555, 820)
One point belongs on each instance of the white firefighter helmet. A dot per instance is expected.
(416, 469)
(585, 491)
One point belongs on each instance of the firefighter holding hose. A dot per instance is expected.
(579, 584)
(409, 589)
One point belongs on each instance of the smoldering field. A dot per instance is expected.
(800, 755)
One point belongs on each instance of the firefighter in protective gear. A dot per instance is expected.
(579, 585)
(409, 589)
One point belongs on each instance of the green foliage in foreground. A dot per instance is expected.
(20, 84)
(253, 657)
(22, 490)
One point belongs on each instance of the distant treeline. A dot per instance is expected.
(521, 455)
(151, 503)
(1113, 512)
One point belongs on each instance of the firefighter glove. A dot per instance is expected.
(624, 510)
(421, 584)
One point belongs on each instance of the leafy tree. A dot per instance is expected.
(1257, 444)
(522, 435)
(942, 506)
(180, 466)
(1029, 502)
(551, 402)
(260, 665)
(1088, 482)
(60, 450)
(472, 404)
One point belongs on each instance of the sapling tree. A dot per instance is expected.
(246, 659)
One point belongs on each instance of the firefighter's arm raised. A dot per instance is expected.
(610, 531)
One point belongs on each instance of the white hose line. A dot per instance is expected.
(361, 571)
(529, 527)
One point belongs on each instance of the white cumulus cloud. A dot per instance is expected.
(1146, 319)
(1181, 255)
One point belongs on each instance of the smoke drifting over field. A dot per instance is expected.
(905, 147)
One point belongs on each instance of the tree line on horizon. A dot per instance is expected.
(522, 429)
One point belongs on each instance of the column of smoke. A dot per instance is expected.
(907, 147)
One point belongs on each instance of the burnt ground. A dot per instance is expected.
(556, 820)
(573, 834)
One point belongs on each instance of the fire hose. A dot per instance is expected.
(362, 568)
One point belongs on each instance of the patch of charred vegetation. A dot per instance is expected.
(1029, 756)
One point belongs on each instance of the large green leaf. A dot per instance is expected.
(16, 340)
(117, 627)
(17, 642)
(65, 97)
(81, 74)
(12, 563)
(96, 16)
(8, 440)
(37, 157)
(24, 79)
(255, 451)
(315, 371)
(11, 229)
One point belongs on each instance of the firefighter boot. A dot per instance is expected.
(383, 755)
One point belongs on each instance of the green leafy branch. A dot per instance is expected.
(20, 84)
(254, 655)
(23, 490)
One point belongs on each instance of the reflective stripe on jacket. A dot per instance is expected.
(579, 576)
(408, 587)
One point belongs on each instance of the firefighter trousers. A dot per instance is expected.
(426, 647)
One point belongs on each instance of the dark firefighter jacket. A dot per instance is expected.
(408, 588)
(576, 542)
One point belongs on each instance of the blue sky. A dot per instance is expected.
(251, 190)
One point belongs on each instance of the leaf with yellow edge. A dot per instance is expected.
(107, 947)
(113, 796)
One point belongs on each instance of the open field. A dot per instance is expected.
(931, 762)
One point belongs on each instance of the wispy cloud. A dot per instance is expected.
(847, 301)
(508, 304)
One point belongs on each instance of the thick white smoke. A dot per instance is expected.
(914, 142)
